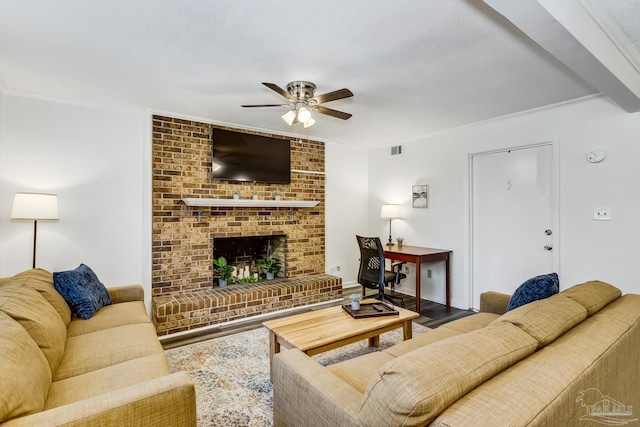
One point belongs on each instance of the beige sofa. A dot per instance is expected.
(109, 370)
(554, 362)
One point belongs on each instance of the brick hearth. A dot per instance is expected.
(183, 311)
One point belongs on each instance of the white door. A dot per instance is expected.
(512, 217)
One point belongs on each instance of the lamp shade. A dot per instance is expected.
(35, 206)
(390, 212)
(289, 117)
(304, 115)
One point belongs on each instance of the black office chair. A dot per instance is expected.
(372, 273)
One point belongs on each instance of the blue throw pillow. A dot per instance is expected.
(82, 291)
(539, 287)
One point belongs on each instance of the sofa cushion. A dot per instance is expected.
(25, 377)
(420, 340)
(592, 295)
(358, 371)
(413, 389)
(29, 308)
(97, 350)
(111, 378)
(547, 319)
(82, 290)
(534, 289)
(471, 323)
(111, 316)
(42, 281)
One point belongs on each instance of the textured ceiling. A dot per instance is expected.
(626, 13)
(415, 67)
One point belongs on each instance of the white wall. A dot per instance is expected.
(97, 161)
(588, 249)
(346, 208)
(93, 159)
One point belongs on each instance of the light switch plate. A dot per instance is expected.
(602, 214)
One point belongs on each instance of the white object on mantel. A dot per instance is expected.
(250, 203)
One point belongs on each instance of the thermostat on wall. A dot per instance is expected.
(595, 156)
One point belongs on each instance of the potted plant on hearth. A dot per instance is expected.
(271, 265)
(222, 271)
(254, 194)
(236, 194)
(277, 194)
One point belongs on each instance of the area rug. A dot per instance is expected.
(231, 374)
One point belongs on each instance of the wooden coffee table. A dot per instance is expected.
(323, 330)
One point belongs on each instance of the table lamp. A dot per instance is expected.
(35, 206)
(390, 212)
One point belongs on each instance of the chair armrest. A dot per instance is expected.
(307, 394)
(166, 401)
(494, 302)
(126, 293)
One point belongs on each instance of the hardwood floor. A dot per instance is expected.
(432, 315)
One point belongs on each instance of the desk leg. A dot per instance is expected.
(374, 341)
(447, 282)
(274, 348)
(418, 281)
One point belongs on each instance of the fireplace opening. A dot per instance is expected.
(245, 253)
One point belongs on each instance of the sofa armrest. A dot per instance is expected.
(494, 302)
(307, 394)
(166, 401)
(126, 293)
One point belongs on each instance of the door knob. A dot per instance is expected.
(548, 232)
(548, 247)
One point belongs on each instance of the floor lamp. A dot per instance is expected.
(35, 206)
(390, 212)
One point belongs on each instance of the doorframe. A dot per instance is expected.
(555, 196)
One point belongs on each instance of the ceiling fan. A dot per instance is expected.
(301, 102)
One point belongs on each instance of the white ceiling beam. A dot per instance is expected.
(582, 35)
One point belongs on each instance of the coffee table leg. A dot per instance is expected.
(274, 348)
(374, 341)
(407, 329)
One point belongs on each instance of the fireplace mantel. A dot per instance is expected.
(243, 203)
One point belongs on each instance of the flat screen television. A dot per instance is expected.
(245, 157)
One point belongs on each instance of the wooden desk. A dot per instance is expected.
(418, 255)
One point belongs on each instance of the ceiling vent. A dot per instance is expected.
(395, 150)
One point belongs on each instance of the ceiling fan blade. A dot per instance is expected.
(332, 96)
(278, 89)
(330, 112)
(266, 105)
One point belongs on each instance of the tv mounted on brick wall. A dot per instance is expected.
(245, 157)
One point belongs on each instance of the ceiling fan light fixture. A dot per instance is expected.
(309, 123)
(304, 115)
(289, 117)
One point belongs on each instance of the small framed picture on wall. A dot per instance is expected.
(420, 196)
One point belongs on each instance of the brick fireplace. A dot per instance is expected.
(184, 236)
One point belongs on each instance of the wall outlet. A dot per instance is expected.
(406, 269)
(338, 267)
(428, 273)
(602, 214)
